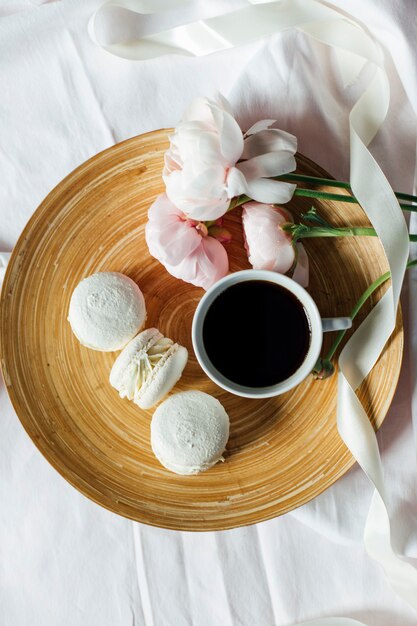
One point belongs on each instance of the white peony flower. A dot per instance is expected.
(210, 161)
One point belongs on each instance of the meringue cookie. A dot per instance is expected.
(147, 369)
(106, 310)
(189, 432)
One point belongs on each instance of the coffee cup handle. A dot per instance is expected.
(336, 323)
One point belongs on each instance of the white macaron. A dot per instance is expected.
(106, 311)
(189, 432)
(147, 369)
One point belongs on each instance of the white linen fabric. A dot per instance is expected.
(4, 259)
(66, 561)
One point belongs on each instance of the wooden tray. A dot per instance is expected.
(282, 452)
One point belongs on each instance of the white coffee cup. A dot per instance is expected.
(318, 325)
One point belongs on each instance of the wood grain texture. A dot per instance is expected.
(282, 452)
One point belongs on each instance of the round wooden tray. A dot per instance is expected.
(282, 452)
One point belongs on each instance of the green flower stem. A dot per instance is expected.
(307, 232)
(329, 182)
(324, 363)
(301, 231)
(324, 195)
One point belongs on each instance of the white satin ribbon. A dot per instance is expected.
(4, 259)
(355, 47)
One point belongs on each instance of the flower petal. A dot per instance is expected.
(270, 191)
(223, 103)
(230, 134)
(198, 109)
(213, 261)
(170, 239)
(202, 196)
(269, 164)
(270, 140)
(258, 126)
(162, 208)
(235, 182)
(205, 266)
(208, 148)
(207, 182)
(280, 214)
(301, 271)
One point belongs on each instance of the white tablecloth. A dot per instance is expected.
(66, 561)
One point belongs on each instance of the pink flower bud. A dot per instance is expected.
(267, 245)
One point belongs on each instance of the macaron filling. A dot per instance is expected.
(148, 368)
(152, 360)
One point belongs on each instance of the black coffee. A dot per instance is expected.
(256, 333)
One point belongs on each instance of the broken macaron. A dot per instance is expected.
(148, 368)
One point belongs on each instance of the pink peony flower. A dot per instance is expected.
(268, 246)
(184, 246)
(210, 161)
